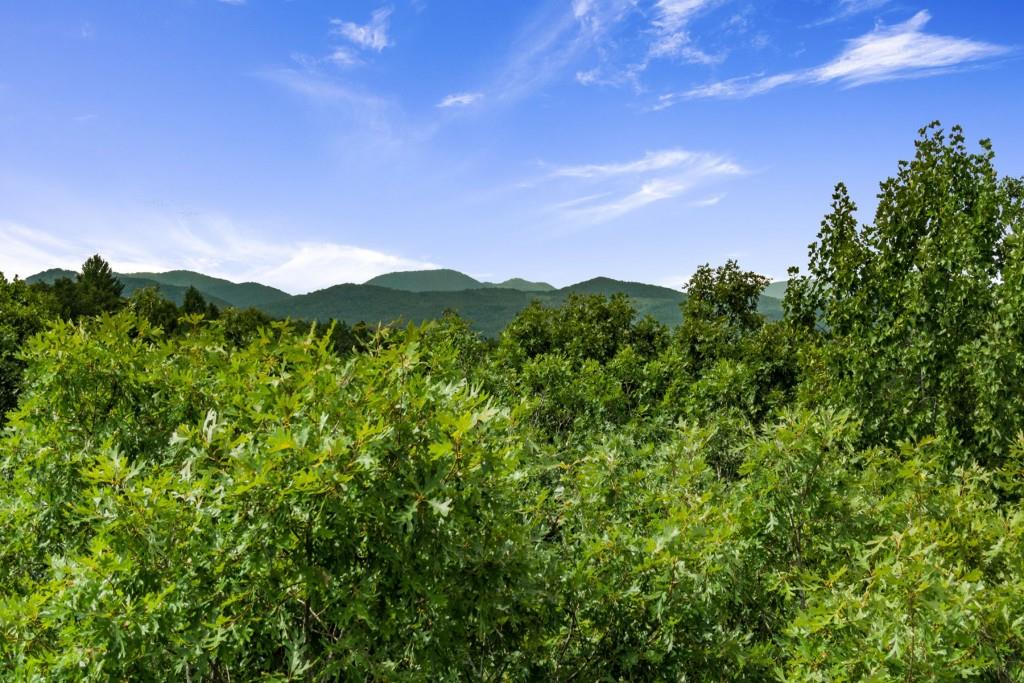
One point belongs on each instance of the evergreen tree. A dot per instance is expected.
(97, 288)
(194, 303)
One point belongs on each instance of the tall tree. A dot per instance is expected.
(194, 302)
(907, 300)
(97, 288)
(721, 308)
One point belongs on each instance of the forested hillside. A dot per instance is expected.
(240, 295)
(204, 494)
(404, 297)
(447, 280)
(131, 284)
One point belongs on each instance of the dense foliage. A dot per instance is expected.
(210, 495)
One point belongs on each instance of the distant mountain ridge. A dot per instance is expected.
(447, 280)
(239, 294)
(522, 285)
(634, 290)
(132, 284)
(411, 296)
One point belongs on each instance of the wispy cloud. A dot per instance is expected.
(671, 37)
(28, 251)
(713, 200)
(367, 121)
(689, 170)
(552, 43)
(227, 252)
(318, 87)
(651, 161)
(314, 265)
(342, 56)
(666, 35)
(597, 16)
(850, 8)
(460, 99)
(901, 51)
(886, 53)
(372, 35)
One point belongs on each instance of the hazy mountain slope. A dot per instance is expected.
(447, 280)
(132, 284)
(636, 290)
(170, 292)
(239, 294)
(770, 307)
(489, 310)
(440, 280)
(489, 307)
(50, 276)
(522, 285)
(777, 290)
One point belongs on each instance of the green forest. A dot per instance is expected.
(196, 491)
(411, 296)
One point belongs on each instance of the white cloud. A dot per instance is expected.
(614, 76)
(553, 42)
(370, 110)
(597, 16)
(315, 265)
(27, 251)
(671, 39)
(652, 191)
(342, 56)
(460, 99)
(857, 6)
(373, 35)
(666, 36)
(581, 8)
(651, 161)
(232, 2)
(579, 201)
(850, 8)
(740, 87)
(886, 53)
(207, 243)
(901, 51)
(320, 89)
(698, 168)
(708, 201)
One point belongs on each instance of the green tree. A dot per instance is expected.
(584, 327)
(267, 511)
(94, 290)
(24, 311)
(97, 288)
(148, 303)
(194, 303)
(720, 309)
(912, 301)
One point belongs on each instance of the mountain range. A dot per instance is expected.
(412, 296)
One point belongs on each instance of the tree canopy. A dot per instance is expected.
(832, 496)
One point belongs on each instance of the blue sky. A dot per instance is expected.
(304, 143)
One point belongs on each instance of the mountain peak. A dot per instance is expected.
(439, 280)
